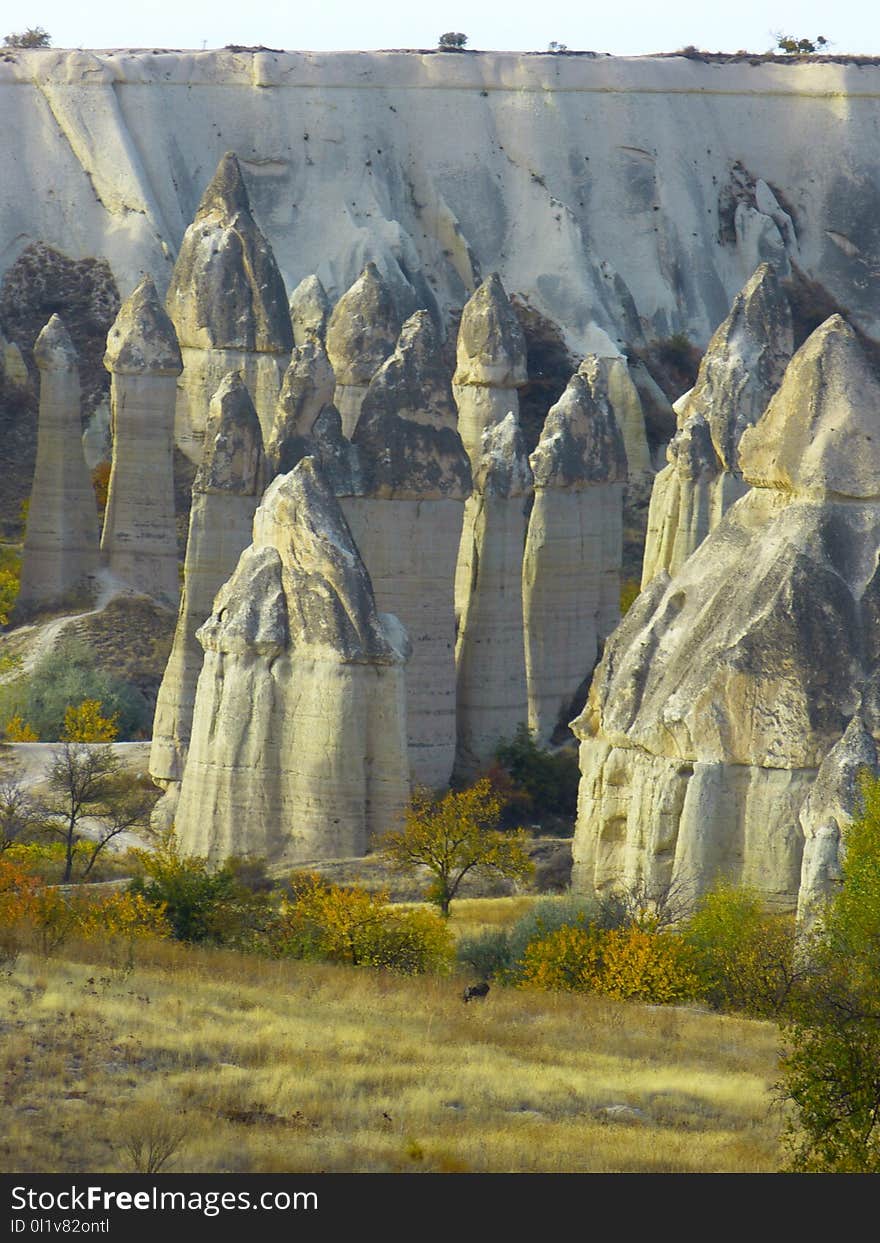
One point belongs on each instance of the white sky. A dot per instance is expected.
(623, 27)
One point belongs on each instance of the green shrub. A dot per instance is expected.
(550, 778)
(744, 956)
(67, 677)
(202, 904)
(486, 953)
(546, 917)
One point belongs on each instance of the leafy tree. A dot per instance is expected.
(746, 957)
(17, 730)
(799, 47)
(831, 1070)
(10, 581)
(86, 781)
(454, 836)
(453, 41)
(34, 36)
(86, 724)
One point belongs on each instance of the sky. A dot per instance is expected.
(624, 28)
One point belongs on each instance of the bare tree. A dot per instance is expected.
(88, 781)
(18, 813)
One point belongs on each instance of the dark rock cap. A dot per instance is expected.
(504, 469)
(581, 442)
(142, 340)
(407, 435)
(226, 291)
(232, 458)
(309, 310)
(363, 328)
(491, 347)
(53, 348)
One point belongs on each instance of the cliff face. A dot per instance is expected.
(615, 194)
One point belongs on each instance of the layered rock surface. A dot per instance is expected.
(225, 495)
(139, 537)
(309, 310)
(60, 552)
(228, 303)
(298, 745)
(740, 371)
(407, 523)
(361, 333)
(492, 698)
(571, 564)
(724, 689)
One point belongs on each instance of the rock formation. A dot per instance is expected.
(60, 552)
(361, 333)
(490, 655)
(225, 494)
(740, 371)
(490, 364)
(723, 690)
(571, 566)
(307, 388)
(415, 476)
(228, 303)
(309, 310)
(139, 539)
(298, 745)
(610, 378)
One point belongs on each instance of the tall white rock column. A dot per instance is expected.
(139, 539)
(574, 546)
(60, 552)
(225, 495)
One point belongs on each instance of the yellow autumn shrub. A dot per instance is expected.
(18, 730)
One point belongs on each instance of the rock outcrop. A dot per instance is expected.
(723, 690)
(229, 306)
(226, 491)
(571, 565)
(139, 538)
(740, 371)
(407, 522)
(298, 745)
(610, 378)
(492, 698)
(60, 554)
(309, 310)
(361, 333)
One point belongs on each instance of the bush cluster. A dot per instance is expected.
(38, 704)
(548, 779)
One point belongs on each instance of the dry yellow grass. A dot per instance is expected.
(237, 1064)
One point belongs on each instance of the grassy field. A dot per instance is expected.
(210, 1061)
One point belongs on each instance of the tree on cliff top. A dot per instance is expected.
(34, 36)
(453, 41)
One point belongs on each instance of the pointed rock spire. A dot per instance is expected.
(821, 432)
(307, 388)
(309, 310)
(233, 454)
(580, 443)
(491, 348)
(226, 291)
(363, 328)
(407, 433)
(142, 340)
(54, 350)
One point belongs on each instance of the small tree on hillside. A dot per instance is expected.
(454, 836)
(452, 41)
(88, 781)
(18, 814)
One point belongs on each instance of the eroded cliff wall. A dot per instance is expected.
(616, 194)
